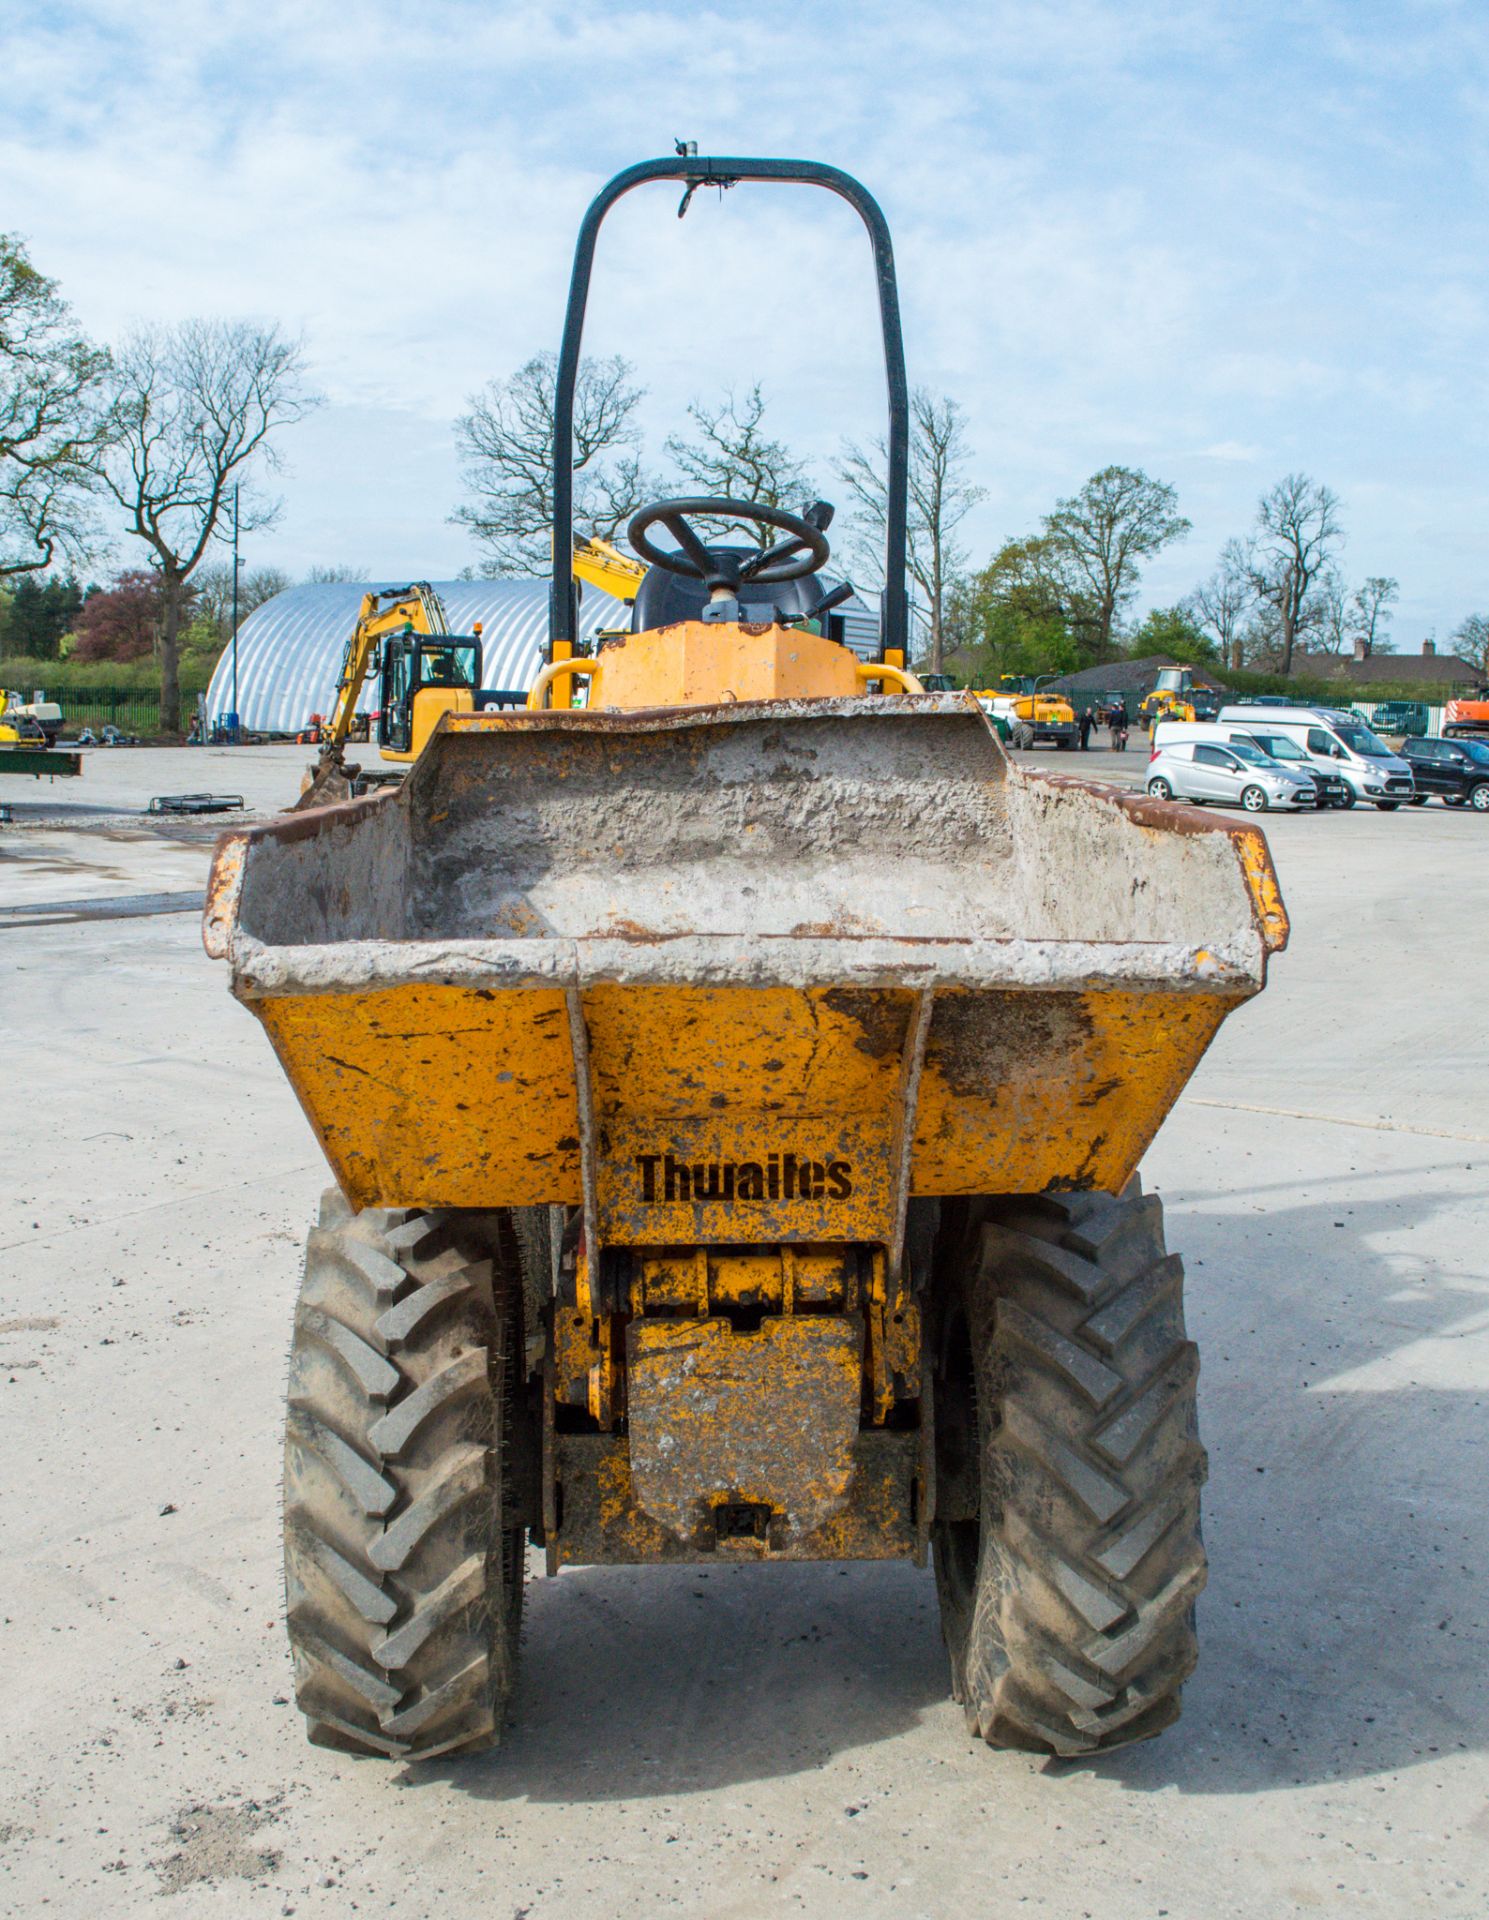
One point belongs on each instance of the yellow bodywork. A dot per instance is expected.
(606, 567)
(1043, 707)
(1163, 705)
(650, 962)
(709, 1078)
(695, 664)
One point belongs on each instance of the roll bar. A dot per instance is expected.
(697, 172)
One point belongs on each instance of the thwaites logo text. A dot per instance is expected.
(779, 1176)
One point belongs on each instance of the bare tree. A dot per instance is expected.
(336, 576)
(212, 586)
(940, 499)
(53, 420)
(731, 455)
(194, 407)
(1326, 611)
(1119, 518)
(1221, 604)
(1298, 531)
(1471, 638)
(506, 447)
(1370, 614)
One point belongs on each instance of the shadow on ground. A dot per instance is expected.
(1341, 1634)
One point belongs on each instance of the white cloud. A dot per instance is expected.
(1124, 231)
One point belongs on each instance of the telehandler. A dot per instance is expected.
(734, 1089)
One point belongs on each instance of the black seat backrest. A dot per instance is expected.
(664, 597)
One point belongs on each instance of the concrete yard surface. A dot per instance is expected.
(754, 1740)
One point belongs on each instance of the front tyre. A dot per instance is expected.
(1254, 800)
(1347, 798)
(1068, 1467)
(1387, 806)
(403, 1543)
(1479, 798)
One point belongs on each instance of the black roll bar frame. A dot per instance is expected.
(697, 172)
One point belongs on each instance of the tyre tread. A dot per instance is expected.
(402, 1569)
(1080, 1631)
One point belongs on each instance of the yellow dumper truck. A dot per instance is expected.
(734, 1089)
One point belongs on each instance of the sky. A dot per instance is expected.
(1220, 243)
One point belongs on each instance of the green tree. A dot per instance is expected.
(1173, 631)
(38, 614)
(1102, 535)
(1022, 614)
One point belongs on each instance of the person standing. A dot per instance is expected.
(1088, 720)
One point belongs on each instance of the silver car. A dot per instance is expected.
(1237, 775)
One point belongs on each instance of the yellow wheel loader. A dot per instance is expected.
(734, 1089)
(1172, 698)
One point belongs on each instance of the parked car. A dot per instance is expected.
(1398, 717)
(1341, 743)
(1333, 789)
(1236, 773)
(1457, 771)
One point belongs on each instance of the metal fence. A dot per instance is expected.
(131, 709)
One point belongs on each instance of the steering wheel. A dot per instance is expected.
(802, 553)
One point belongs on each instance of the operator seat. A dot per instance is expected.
(665, 597)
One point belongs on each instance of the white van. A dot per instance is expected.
(1332, 788)
(1337, 742)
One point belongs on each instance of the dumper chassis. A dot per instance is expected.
(706, 1190)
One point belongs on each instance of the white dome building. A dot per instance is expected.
(290, 649)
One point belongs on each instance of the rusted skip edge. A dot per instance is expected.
(719, 713)
(289, 827)
(1167, 816)
(1234, 966)
(224, 885)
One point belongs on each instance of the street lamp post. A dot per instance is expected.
(237, 724)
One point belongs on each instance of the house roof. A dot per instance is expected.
(1128, 676)
(1431, 669)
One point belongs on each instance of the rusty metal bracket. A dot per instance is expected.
(912, 1065)
(588, 1144)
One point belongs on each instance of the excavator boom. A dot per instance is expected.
(416, 608)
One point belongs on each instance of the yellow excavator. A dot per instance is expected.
(403, 636)
(606, 567)
(734, 1089)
